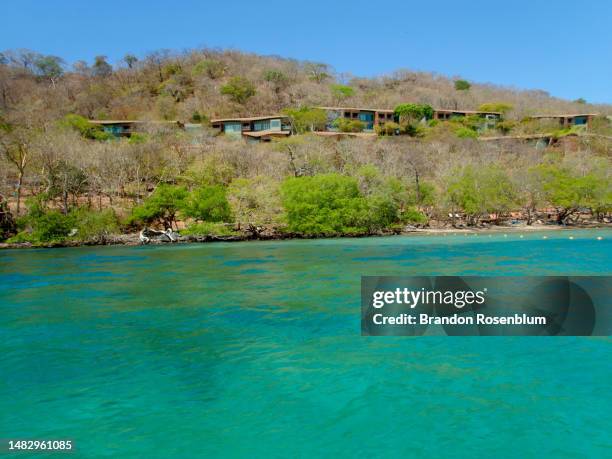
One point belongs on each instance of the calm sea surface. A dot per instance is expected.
(254, 350)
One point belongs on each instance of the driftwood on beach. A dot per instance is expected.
(148, 235)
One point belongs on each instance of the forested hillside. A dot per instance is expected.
(63, 180)
(166, 85)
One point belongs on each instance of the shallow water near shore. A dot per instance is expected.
(254, 350)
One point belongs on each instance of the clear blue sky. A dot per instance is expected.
(562, 46)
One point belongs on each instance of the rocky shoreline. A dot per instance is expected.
(133, 239)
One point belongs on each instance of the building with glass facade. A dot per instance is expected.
(370, 117)
(125, 128)
(569, 120)
(255, 128)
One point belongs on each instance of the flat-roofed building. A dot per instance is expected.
(489, 119)
(260, 128)
(125, 128)
(370, 117)
(569, 120)
(447, 114)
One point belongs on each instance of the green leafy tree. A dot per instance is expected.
(501, 107)
(130, 60)
(324, 205)
(277, 79)
(317, 71)
(50, 68)
(238, 89)
(341, 92)
(478, 191)
(390, 200)
(410, 117)
(101, 68)
(462, 85)
(161, 206)
(212, 68)
(65, 180)
(16, 147)
(255, 201)
(530, 193)
(569, 192)
(208, 203)
(306, 119)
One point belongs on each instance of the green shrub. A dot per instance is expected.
(84, 127)
(466, 133)
(41, 225)
(137, 138)
(197, 117)
(506, 126)
(324, 205)
(413, 215)
(412, 129)
(389, 128)
(93, 224)
(52, 226)
(348, 125)
(208, 228)
(496, 107)
(213, 69)
(340, 91)
(462, 85)
(208, 203)
(162, 206)
(414, 112)
(239, 89)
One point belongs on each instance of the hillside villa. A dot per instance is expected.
(254, 128)
(266, 127)
(569, 120)
(125, 128)
(490, 119)
(370, 117)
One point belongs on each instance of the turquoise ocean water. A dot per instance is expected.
(254, 350)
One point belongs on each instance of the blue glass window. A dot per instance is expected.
(232, 128)
(275, 125)
(580, 120)
(114, 130)
(261, 125)
(368, 119)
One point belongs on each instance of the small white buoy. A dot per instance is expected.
(571, 237)
(505, 235)
(544, 237)
(599, 238)
(521, 236)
